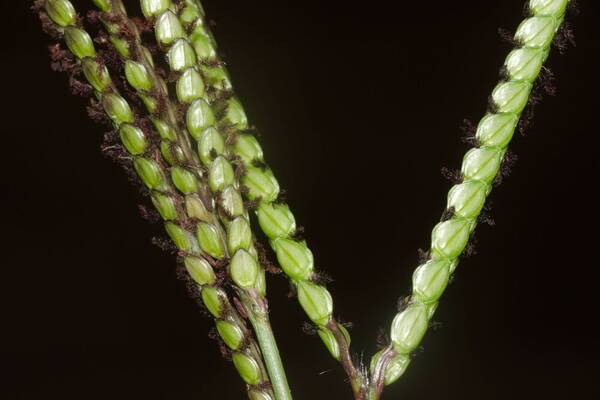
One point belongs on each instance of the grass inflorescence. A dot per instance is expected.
(182, 135)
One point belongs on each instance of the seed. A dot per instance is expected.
(61, 12)
(496, 130)
(200, 270)
(316, 302)
(239, 235)
(511, 97)
(184, 180)
(79, 42)
(408, 328)
(261, 184)
(117, 108)
(168, 28)
(181, 55)
(96, 75)
(244, 269)
(537, 31)
(220, 174)
(276, 220)
(295, 258)
(165, 206)
(180, 237)
(199, 117)
(449, 238)
(211, 297)
(395, 368)
(231, 334)
(329, 340)
(247, 368)
(430, 280)
(190, 86)
(137, 75)
(210, 240)
(133, 139)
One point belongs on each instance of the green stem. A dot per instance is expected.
(258, 315)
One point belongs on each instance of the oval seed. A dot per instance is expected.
(149, 172)
(247, 148)
(220, 174)
(164, 130)
(121, 45)
(497, 129)
(168, 28)
(216, 77)
(117, 108)
(190, 86)
(467, 199)
(184, 180)
(247, 368)
(189, 14)
(137, 75)
(449, 238)
(79, 42)
(482, 164)
(165, 151)
(181, 55)
(430, 280)
(239, 235)
(316, 302)
(236, 115)
(203, 47)
(395, 368)
(165, 206)
(210, 144)
(276, 220)
(177, 153)
(231, 334)
(195, 208)
(548, 7)
(154, 7)
(231, 202)
(525, 64)
(133, 139)
(329, 340)
(199, 270)
(243, 269)
(96, 74)
(261, 184)
(512, 96)
(61, 12)
(210, 240)
(180, 237)
(211, 297)
(408, 328)
(537, 31)
(199, 117)
(295, 258)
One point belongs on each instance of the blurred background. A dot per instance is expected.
(359, 106)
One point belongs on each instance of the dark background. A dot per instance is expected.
(359, 106)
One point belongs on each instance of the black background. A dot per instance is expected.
(359, 107)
